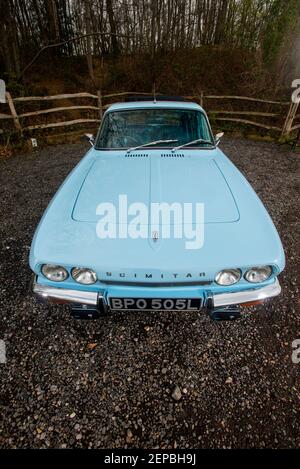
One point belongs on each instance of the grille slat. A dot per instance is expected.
(136, 155)
(172, 155)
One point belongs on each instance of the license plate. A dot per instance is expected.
(158, 304)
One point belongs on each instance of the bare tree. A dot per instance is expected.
(113, 29)
(131, 26)
(9, 38)
(88, 29)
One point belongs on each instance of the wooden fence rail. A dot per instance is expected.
(247, 98)
(285, 127)
(248, 122)
(56, 96)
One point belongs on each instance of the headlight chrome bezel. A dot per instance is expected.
(58, 267)
(234, 272)
(79, 271)
(267, 268)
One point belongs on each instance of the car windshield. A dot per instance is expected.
(158, 127)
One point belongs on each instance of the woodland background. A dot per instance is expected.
(184, 46)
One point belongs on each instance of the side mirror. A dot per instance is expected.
(218, 137)
(90, 139)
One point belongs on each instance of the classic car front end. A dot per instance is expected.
(237, 264)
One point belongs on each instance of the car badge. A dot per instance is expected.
(155, 236)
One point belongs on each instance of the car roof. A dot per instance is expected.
(155, 105)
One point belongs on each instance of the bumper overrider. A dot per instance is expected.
(92, 304)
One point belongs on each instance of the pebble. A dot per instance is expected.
(176, 394)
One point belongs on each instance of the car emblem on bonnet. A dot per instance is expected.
(155, 236)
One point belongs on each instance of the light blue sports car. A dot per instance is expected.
(156, 217)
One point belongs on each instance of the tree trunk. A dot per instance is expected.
(8, 38)
(113, 29)
(88, 41)
(221, 22)
(53, 30)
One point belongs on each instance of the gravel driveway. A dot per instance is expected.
(109, 383)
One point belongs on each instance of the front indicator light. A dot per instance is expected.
(56, 273)
(84, 276)
(258, 274)
(228, 277)
(252, 303)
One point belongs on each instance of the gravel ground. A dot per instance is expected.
(109, 383)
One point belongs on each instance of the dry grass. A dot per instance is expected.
(5, 151)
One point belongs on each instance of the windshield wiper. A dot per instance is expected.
(156, 142)
(199, 140)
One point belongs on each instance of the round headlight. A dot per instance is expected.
(56, 273)
(228, 276)
(258, 274)
(84, 276)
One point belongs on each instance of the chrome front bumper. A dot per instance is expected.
(247, 296)
(47, 293)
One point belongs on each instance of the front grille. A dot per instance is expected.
(136, 155)
(172, 155)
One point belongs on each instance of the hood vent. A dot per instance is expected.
(136, 155)
(172, 155)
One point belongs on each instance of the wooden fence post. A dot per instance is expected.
(288, 124)
(14, 112)
(201, 98)
(99, 94)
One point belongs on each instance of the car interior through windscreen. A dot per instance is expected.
(163, 127)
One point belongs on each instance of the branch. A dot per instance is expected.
(77, 38)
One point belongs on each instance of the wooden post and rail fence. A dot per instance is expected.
(285, 118)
